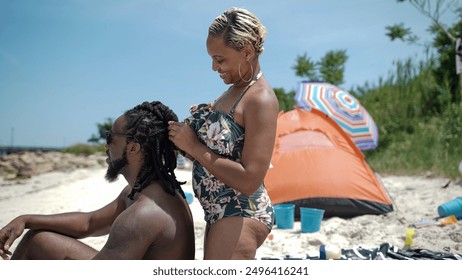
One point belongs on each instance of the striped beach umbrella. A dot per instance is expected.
(341, 106)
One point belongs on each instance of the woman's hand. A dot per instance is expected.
(182, 136)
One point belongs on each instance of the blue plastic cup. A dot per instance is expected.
(284, 215)
(452, 207)
(189, 197)
(311, 219)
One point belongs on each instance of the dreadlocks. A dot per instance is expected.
(148, 123)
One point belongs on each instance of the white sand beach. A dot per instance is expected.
(415, 198)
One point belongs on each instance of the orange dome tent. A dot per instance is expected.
(316, 164)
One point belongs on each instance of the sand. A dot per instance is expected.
(415, 198)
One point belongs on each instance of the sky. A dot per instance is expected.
(67, 65)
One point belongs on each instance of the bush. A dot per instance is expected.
(420, 127)
(84, 149)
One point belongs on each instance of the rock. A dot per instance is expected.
(28, 164)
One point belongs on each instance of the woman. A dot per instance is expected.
(230, 166)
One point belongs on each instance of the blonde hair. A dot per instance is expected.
(239, 27)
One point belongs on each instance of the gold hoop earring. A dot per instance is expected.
(240, 75)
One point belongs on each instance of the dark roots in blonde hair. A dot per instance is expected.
(148, 123)
(238, 28)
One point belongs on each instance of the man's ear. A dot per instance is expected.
(134, 148)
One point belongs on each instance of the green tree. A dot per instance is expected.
(102, 128)
(399, 32)
(444, 41)
(332, 66)
(305, 67)
(286, 100)
(445, 71)
(329, 69)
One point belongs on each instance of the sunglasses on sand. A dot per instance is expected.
(109, 135)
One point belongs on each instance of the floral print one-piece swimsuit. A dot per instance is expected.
(224, 136)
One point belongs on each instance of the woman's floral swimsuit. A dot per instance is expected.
(224, 136)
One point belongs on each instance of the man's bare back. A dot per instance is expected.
(162, 220)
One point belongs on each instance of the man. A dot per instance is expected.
(150, 219)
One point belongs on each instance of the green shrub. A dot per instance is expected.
(420, 127)
(84, 149)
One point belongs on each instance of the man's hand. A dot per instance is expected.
(8, 235)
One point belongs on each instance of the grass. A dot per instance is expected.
(419, 122)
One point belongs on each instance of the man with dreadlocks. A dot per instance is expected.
(150, 219)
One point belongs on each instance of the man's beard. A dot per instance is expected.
(113, 170)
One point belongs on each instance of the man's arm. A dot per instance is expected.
(73, 224)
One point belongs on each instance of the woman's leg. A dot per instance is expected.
(234, 238)
(45, 245)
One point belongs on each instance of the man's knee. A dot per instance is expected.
(32, 238)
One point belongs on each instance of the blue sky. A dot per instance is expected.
(66, 65)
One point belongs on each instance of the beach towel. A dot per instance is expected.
(385, 251)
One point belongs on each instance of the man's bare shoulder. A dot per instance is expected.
(153, 205)
(145, 209)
